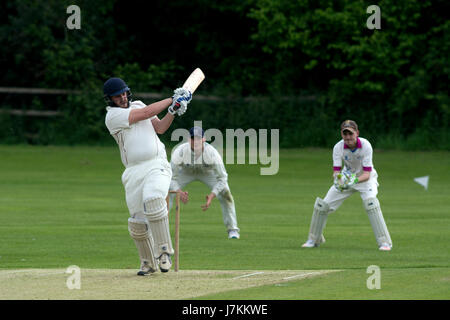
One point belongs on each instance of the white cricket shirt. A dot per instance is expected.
(137, 142)
(209, 163)
(356, 160)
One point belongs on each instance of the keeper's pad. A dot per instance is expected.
(318, 221)
(157, 216)
(139, 231)
(380, 230)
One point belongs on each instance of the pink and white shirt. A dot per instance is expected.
(357, 160)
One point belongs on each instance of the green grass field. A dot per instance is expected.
(62, 206)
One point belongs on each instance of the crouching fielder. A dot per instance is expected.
(199, 161)
(147, 176)
(358, 175)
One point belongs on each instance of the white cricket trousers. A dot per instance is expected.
(143, 181)
(225, 198)
(367, 190)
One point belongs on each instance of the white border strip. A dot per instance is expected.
(249, 275)
(302, 275)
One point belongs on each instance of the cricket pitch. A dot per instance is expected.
(123, 284)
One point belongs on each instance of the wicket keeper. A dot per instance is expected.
(358, 175)
(147, 173)
(198, 160)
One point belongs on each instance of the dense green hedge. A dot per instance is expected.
(303, 122)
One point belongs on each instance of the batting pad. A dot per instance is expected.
(144, 243)
(319, 220)
(157, 215)
(379, 227)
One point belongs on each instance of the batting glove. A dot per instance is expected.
(182, 109)
(181, 98)
(178, 106)
(183, 93)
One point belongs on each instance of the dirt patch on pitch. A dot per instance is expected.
(114, 284)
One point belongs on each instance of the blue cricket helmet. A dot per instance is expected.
(114, 87)
(197, 132)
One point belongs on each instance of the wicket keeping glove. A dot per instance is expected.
(350, 179)
(344, 180)
(339, 182)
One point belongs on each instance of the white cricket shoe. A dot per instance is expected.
(165, 263)
(309, 244)
(233, 234)
(145, 268)
(385, 247)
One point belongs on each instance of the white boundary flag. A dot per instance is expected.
(423, 181)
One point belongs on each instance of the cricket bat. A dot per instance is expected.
(192, 83)
(194, 80)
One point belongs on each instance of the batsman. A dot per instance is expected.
(358, 175)
(147, 175)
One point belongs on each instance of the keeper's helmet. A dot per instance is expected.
(114, 87)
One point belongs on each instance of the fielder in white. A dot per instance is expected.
(199, 161)
(358, 175)
(147, 173)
